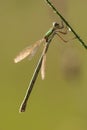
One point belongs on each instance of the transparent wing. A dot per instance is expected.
(43, 66)
(29, 51)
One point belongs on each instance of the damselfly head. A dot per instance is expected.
(55, 24)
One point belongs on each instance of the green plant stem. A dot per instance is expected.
(58, 13)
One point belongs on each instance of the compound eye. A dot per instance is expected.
(55, 24)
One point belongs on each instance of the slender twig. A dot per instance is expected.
(58, 13)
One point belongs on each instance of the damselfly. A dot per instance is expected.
(30, 51)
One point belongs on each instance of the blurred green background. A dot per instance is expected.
(60, 101)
